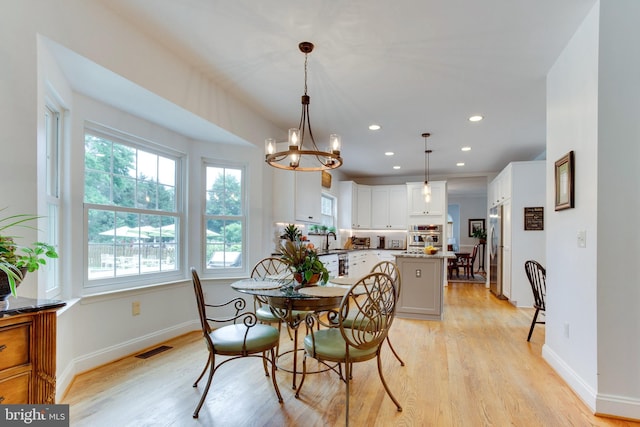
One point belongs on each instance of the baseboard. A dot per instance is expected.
(583, 390)
(106, 355)
(618, 407)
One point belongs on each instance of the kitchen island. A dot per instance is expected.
(423, 278)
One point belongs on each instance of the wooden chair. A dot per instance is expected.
(467, 263)
(374, 299)
(246, 338)
(536, 274)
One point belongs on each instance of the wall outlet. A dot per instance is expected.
(135, 308)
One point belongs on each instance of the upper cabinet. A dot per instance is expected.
(355, 206)
(297, 196)
(421, 211)
(500, 188)
(389, 207)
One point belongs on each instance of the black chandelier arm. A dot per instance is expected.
(334, 160)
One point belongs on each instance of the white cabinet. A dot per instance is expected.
(360, 263)
(423, 212)
(385, 255)
(389, 207)
(331, 263)
(297, 196)
(354, 205)
(500, 188)
(363, 210)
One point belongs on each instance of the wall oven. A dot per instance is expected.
(424, 235)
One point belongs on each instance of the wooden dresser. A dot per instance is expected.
(28, 350)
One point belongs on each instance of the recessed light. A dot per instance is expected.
(460, 164)
(374, 127)
(475, 118)
(389, 153)
(466, 148)
(396, 167)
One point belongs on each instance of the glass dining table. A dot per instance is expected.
(292, 305)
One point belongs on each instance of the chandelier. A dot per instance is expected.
(299, 157)
(426, 191)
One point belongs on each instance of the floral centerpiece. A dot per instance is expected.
(16, 260)
(302, 257)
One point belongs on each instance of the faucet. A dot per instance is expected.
(326, 241)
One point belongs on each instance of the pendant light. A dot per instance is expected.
(426, 191)
(298, 157)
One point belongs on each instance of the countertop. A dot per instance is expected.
(345, 251)
(21, 305)
(444, 254)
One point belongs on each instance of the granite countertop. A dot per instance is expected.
(20, 305)
(444, 254)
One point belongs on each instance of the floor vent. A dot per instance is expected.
(153, 352)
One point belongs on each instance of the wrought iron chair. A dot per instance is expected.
(536, 274)
(374, 299)
(246, 338)
(271, 267)
(391, 269)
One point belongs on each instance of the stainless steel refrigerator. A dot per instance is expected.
(495, 251)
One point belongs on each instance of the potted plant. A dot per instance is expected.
(17, 260)
(480, 234)
(303, 259)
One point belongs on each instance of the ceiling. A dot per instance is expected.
(411, 66)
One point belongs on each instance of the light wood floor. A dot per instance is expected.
(475, 368)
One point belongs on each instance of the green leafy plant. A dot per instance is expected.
(302, 257)
(17, 260)
(479, 233)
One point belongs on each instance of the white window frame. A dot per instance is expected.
(329, 220)
(54, 115)
(133, 281)
(232, 271)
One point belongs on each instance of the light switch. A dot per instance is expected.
(582, 238)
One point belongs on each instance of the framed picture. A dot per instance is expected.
(475, 223)
(564, 182)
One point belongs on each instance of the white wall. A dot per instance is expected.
(572, 124)
(99, 329)
(593, 321)
(618, 205)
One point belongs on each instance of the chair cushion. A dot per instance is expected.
(230, 338)
(265, 315)
(330, 345)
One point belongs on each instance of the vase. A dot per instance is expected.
(5, 288)
(302, 282)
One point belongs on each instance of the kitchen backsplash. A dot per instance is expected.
(392, 239)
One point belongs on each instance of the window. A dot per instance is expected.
(224, 217)
(132, 211)
(53, 136)
(328, 210)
